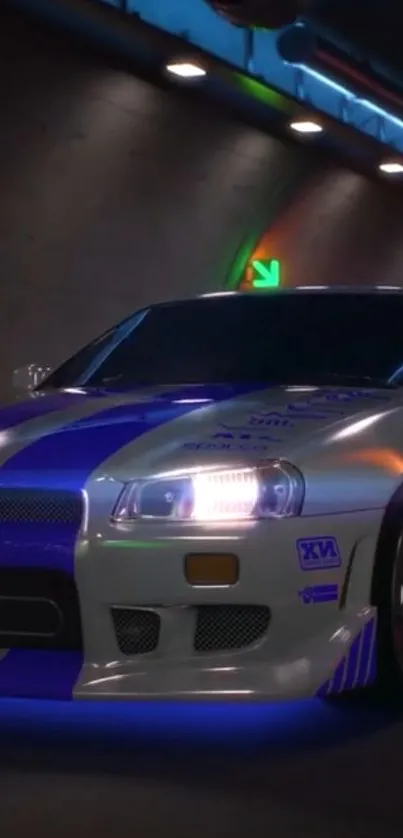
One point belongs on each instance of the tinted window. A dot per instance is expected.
(279, 338)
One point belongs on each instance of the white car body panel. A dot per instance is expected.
(304, 644)
(336, 437)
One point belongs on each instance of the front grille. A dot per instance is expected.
(137, 630)
(226, 627)
(40, 506)
(39, 609)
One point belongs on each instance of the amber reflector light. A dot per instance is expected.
(211, 569)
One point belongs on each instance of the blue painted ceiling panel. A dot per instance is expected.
(255, 54)
(200, 27)
(194, 21)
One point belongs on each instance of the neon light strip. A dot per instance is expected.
(356, 76)
(344, 91)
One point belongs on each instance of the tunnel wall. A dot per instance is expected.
(337, 228)
(116, 192)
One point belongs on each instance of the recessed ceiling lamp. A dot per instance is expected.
(391, 167)
(185, 69)
(306, 126)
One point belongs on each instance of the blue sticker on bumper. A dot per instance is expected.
(319, 593)
(320, 553)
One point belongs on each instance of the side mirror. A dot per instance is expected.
(25, 379)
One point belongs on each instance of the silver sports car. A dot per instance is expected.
(206, 502)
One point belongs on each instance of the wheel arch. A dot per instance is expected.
(388, 543)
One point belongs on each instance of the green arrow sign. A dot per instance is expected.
(267, 273)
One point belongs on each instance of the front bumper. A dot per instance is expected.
(245, 679)
(296, 655)
(305, 648)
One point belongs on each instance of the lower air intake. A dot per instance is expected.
(227, 627)
(137, 630)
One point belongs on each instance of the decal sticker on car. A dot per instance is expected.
(233, 439)
(319, 593)
(224, 446)
(358, 668)
(320, 553)
(254, 432)
(241, 435)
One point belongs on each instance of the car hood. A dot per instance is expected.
(65, 437)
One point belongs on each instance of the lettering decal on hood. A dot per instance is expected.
(225, 446)
(250, 434)
(243, 438)
(317, 407)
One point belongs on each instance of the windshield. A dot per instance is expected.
(283, 338)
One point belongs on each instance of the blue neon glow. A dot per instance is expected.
(376, 110)
(106, 726)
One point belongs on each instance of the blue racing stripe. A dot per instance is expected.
(36, 407)
(338, 678)
(65, 459)
(367, 646)
(352, 663)
(373, 660)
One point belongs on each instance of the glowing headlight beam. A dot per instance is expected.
(273, 489)
(224, 495)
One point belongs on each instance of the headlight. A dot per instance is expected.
(273, 490)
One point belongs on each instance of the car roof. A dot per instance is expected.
(301, 290)
(316, 289)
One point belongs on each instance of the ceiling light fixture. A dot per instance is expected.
(185, 69)
(306, 126)
(391, 167)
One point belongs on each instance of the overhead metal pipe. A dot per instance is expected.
(300, 45)
(264, 14)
